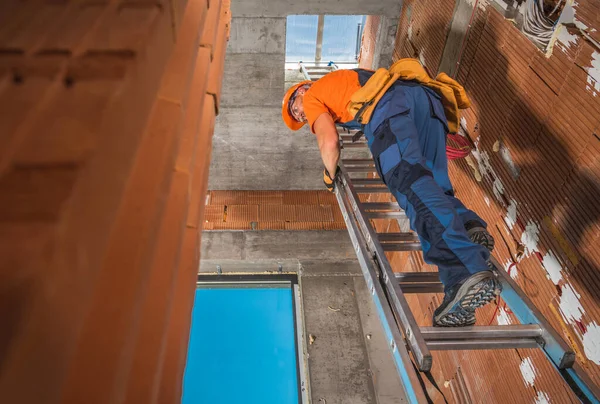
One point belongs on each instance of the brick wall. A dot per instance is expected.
(535, 121)
(368, 41)
(422, 31)
(272, 210)
(108, 110)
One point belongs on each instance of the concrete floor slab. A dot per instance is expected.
(330, 268)
(387, 384)
(338, 362)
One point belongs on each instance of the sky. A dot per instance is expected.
(339, 38)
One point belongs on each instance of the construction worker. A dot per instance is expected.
(405, 116)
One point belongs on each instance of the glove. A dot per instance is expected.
(328, 180)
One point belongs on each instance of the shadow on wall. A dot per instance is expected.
(547, 173)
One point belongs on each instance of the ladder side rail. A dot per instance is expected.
(304, 71)
(523, 308)
(581, 384)
(396, 344)
(398, 301)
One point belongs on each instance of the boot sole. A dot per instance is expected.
(476, 235)
(477, 291)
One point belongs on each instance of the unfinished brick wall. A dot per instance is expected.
(108, 110)
(535, 121)
(272, 210)
(368, 41)
(422, 31)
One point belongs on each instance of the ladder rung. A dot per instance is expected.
(350, 145)
(401, 247)
(491, 332)
(388, 237)
(371, 190)
(385, 215)
(361, 169)
(348, 138)
(422, 287)
(358, 162)
(486, 337)
(511, 343)
(368, 181)
(406, 277)
(379, 205)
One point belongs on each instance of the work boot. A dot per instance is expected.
(461, 301)
(479, 234)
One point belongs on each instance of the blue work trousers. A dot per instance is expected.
(407, 138)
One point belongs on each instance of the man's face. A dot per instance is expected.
(297, 107)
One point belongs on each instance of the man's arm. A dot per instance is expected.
(327, 137)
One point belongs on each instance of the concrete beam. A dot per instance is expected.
(239, 266)
(276, 244)
(386, 39)
(276, 8)
(323, 267)
(463, 10)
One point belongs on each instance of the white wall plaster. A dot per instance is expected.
(564, 37)
(591, 343)
(508, 160)
(498, 189)
(485, 167)
(594, 72)
(561, 36)
(553, 267)
(422, 57)
(569, 306)
(514, 273)
(530, 238)
(528, 371)
(542, 398)
(503, 317)
(511, 214)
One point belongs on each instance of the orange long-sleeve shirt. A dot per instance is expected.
(331, 94)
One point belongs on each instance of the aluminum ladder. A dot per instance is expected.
(388, 290)
(316, 71)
